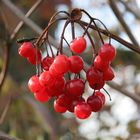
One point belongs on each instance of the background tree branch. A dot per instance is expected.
(122, 22)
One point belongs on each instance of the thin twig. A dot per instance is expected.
(2, 117)
(115, 37)
(5, 65)
(28, 14)
(124, 91)
(122, 22)
(21, 16)
(128, 8)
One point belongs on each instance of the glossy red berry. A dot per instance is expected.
(46, 62)
(53, 71)
(26, 49)
(93, 74)
(33, 58)
(74, 103)
(95, 78)
(34, 84)
(82, 110)
(76, 64)
(108, 74)
(100, 64)
(101, 95)
(64, 100)
(75, 87)
(58, 108)
(107, 52)
(60, 65)
(78, 45)
(42, 95)
(46, 79)
(97, 85)
(95, 103)
(57, 88)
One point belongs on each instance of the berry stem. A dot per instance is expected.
(37, 64)
(45, 31)
(66, 42)
(94, 24)
(109, 35)
(91, 41)
(50, 48)
(62, 37)
(86, 30)
(46, 48)
(98, 31)
(73, 30)
(107, 94)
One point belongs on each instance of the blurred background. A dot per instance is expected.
(21, 117)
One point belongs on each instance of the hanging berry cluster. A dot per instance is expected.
(59, 76)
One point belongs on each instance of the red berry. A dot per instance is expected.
(46, 62)
(108, 74)
(58, 108)
(107, 52)
(82, 110)
(76, 64)
(34, 84)
(97, 85)
(26, 49)
(33, 58)
(60, 64)
(75, 87)
(57, 88)
(101, 95)
(46, 79)
(93, 74)
(100, 64)
(78, 45)
(53, 71)
(42, 96)
(74, 103)
(95, 103)
(63, 100)
(95, 78)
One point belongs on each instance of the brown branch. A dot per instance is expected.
(28, 14)
(124, 91)
(122, 22)
(115, 37)
(128, 8)
(29, 23)
(21, 16)
(4, 113)
(5, 66)
(6, 57)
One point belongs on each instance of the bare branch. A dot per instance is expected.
(21, 16)
(124, 91)
(122, 21)
(120, 40)
(128, 8)
(18, 27)
(5, 110)
(5, 66)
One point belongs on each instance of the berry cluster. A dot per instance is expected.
(52, 82)
(59, 76)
